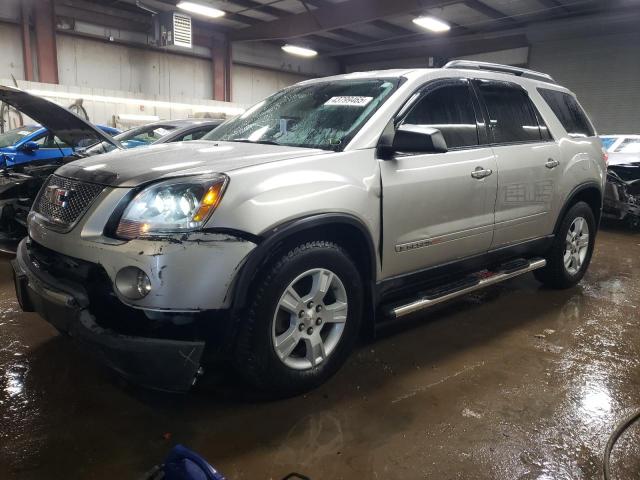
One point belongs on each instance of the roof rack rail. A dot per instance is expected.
(496, 67)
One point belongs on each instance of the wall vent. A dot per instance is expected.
(175, 30)
(182, 30)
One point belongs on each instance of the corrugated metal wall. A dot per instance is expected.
(603, 71)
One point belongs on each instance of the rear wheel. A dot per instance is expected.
(303, 320)
(570, 254)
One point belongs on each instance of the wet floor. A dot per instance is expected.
(516, 382)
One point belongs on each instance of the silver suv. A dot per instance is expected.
(331, 207)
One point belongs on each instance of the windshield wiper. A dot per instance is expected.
(262, 142)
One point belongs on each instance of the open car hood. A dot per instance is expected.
(66, 125)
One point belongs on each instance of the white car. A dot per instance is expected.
(333, 206)
(624, 144)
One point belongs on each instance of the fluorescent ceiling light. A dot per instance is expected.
(432, 24)
(200, 9)
(301, 51)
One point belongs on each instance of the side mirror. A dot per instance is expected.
(413, 139)
(29, 147)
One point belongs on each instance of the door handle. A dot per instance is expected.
(481, 172)
(551, 163)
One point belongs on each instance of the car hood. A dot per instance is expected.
(66, 125)
(130, 168)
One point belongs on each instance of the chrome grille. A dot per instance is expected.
(62, 211)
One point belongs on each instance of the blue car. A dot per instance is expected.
(34, 143)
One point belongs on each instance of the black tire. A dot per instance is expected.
(255, 355)
(632, 222)
(556, 274)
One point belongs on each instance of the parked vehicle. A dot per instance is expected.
(20, 181)
(621, 143)
(166, 131)
(622, 192)
(34, 143)
(333, 206)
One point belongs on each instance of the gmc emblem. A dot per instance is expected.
(58, 196)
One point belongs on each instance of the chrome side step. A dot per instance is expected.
(492, 278)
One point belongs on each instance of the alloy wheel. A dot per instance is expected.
(576, 245)
(309, 319)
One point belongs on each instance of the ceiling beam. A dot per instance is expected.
(327, 41)
(108, 11)
(391, 28)
(171, 7)
(252, 5)
(490, 12)
(318, 3)
(554, 5)
(598, 22)
(339, 15)
(355, 36)
(83, 15)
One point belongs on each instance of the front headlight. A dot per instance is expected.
(177, 205)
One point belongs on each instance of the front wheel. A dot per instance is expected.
(303, 320)
(570, 255)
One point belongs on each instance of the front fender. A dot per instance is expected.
(260, 198)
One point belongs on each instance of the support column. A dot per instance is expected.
(221, 60)
(46, 51)
(27, 56)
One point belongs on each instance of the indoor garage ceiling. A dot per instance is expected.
(375, 29)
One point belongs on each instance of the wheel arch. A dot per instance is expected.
(590, 193)
(346, 230)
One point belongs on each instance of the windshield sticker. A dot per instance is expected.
(349, 101)
(24, 133)
(161, 131)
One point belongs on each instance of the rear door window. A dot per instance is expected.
(50, 141)
(512, 115)
(569, 112)
(193, 135)
(448, 108)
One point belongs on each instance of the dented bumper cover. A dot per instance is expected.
(151, 362)
(191, 272)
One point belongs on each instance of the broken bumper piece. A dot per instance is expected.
(162, 364)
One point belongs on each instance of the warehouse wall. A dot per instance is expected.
(512, 56)
(105, 106)
(259, 69)
(89, 63)
(603, 71)
(272, 57)
(249, 85)
(11, 62)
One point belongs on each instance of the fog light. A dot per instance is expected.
(133, 283)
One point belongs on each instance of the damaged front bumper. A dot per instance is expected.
(158, 363)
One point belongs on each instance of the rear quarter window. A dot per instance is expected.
(569, 112)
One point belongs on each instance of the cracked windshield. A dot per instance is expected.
(319, 115)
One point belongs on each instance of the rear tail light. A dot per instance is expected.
(605, 157)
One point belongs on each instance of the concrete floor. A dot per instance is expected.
(516, 382)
